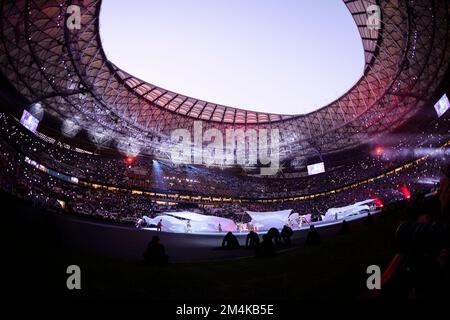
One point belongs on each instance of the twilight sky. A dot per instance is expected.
(278, 56)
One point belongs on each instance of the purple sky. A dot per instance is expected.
(279, 56)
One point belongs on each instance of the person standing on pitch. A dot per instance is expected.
(159, 226)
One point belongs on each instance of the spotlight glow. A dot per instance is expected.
(405, 191)
(379, 151)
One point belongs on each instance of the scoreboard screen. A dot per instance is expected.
(442, 105)
(316, 168)
(29, 121)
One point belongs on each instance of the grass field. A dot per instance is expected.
(334, 270)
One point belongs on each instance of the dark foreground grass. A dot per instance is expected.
(334, 270)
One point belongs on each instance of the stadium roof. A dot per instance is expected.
(68, 72)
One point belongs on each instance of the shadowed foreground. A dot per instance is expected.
(334, 270)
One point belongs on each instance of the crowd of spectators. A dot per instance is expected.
(150, 174)
(27, 181)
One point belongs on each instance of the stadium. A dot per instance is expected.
(96, 162)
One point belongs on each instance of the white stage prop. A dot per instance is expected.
(266, 220)
(294, 220)
(297, 221)
(199, 223)
(351, 210)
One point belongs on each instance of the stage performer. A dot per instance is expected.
(159, 226)
(188, 226)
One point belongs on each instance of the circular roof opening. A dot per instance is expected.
(289, 57)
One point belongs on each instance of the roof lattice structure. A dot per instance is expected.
(68, 72)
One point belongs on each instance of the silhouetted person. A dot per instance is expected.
(286, 234)
(267, 246)
(369, 219)
(313, 237)
(316, 216)
(274, 235)
(345, 229)
(230, 242)
(444, 195)
(155, 253)
(68, 208)
(252, 240)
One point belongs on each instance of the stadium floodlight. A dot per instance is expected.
(37, 111)
(70, 128)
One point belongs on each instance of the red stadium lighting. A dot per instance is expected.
(130, 160)
(378, 203)
(379, 151)
(405, 191)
